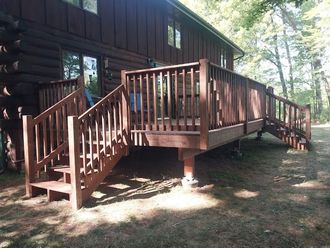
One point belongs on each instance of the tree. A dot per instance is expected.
(287, 43)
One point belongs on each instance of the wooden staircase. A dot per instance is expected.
(288, 121)
(69, 151)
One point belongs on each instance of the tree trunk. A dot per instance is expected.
(288, 54)
(317, 66)
(326, 86)
(279, 67)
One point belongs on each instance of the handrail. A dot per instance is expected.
(102, 131)
(99, 103)
(52, 92)
(292, 116)
(66, 100)
(233, 72)
(287, 101)
(162, 68)
(46, 136)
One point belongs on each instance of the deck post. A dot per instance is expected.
(236, 152)
(259, 135)
(308, 122)
(74, 161)
(28, 153)
(81, 85)
(126, 107)
(204, 116)
(189, 181)
(247, 104)
(270, 103)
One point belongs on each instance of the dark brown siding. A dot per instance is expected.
(132, 25)
(93, 26)
(120, 24)
(107, 21)
(76, 22)
(56, 14)
(138, 26)
(10, 6)
(34, 10)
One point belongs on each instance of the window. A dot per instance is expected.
(75, 64)
(91, 75)
(174, 33)
(89, 5)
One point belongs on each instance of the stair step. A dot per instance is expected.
(65, 169)
(54, 186)
(61, 168)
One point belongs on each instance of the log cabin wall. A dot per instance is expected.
(134, 29)
(125, 34)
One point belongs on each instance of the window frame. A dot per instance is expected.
(175, 23)
(83, 54)
(81, 6)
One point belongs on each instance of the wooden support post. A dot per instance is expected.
(189, 181)
(236, 152)
(74, 161)
(28, 153)
(247, 104)
(259, 135)
(126, 107)
(308, 122)
(189, 167)
(204, 117)
(81, 84)
(270, 103)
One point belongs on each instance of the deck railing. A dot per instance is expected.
(52, 92)
(46, 136)
(164, 99)
(96, 137)
(233, 98)
(288, 114)
(196, 97)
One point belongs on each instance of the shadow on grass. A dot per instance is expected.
(258, 204)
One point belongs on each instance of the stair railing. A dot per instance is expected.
(52, 92)
(294, 117)
(46, 136)
(97, 138)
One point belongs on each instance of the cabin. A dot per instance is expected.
(84, 81)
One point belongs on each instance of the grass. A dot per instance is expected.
(272, 197)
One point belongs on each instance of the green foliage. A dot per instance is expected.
(259, 8)
(259, 26)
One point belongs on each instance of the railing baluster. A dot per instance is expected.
(177, 113)
(184, 102)
(193, 92)
(136, 118)
(154, 83)
(148, 102)
(169, 101)
(162, 100)
(141, 102)
(91, 141)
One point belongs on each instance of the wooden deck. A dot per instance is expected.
(194, 107)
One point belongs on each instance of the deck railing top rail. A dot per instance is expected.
(162, 68)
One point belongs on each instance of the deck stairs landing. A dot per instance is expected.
(69, 150)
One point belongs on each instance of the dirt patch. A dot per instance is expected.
(272, 197)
